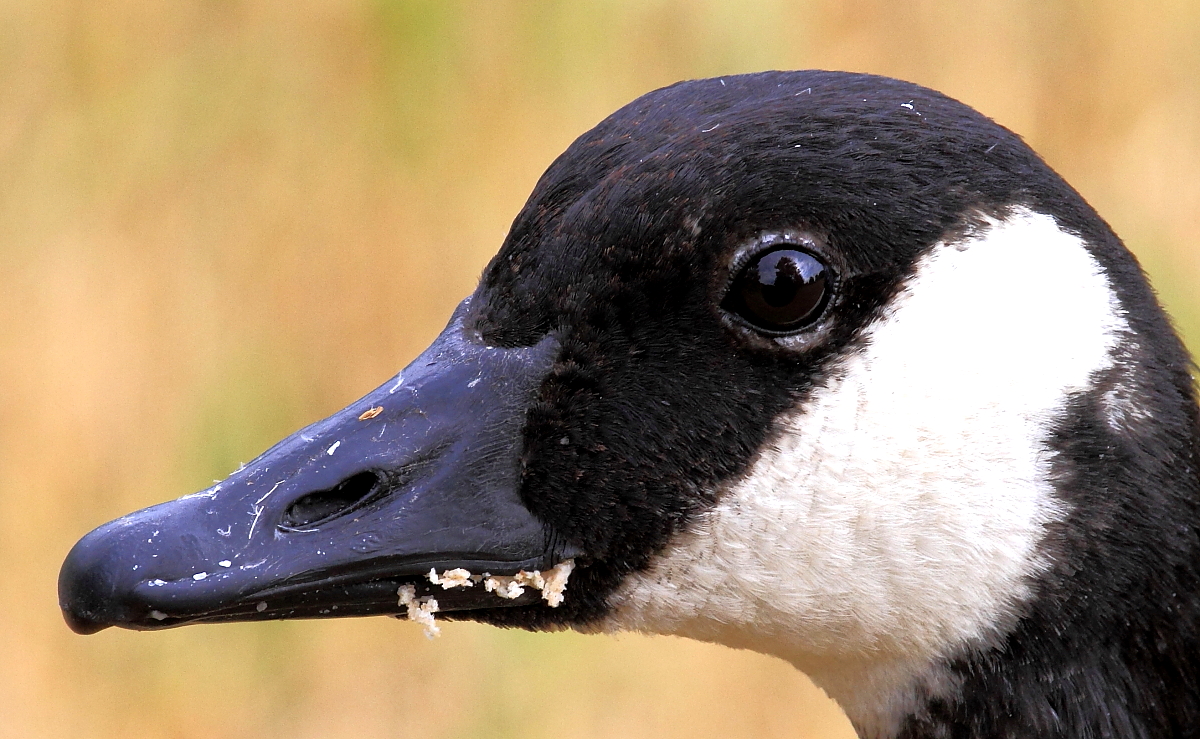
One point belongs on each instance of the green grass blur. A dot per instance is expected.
(222, 220)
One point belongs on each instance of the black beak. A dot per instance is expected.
(421, 474)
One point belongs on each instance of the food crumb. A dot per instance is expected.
(532, 579)
(505, 587)
(370, 413)
(456, 578)
(552, 584)
(420, 610)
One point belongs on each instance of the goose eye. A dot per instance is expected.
(780, 290)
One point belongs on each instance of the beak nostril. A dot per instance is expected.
(322, 505)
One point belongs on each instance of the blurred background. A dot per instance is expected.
(220, 221)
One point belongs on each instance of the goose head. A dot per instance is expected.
(823, 365)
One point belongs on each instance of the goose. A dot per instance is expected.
(824, 365)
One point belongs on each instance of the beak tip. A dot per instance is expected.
(81, 622)
(86, 588)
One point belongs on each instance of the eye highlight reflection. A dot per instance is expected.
(779, 291)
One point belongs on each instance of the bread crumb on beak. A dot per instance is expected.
(456, 578)
(505, 587)
(420, 610)
(552, 584)
(370, 413)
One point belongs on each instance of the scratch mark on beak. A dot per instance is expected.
(259, 508)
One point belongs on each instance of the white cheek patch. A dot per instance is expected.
(896, 518)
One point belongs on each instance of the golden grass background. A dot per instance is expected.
(222, 220)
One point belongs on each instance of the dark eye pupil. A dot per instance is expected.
(780, 290)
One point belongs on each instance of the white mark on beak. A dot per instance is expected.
(258, 508)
